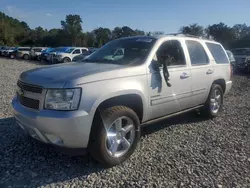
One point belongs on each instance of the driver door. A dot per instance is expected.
(76, 52)
(166, 99)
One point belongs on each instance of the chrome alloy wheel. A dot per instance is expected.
(120, 136)
(215, 101)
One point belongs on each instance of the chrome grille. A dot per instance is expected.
(31, 88)
(28, 102)
(30, 96)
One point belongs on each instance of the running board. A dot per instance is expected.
(170, 115)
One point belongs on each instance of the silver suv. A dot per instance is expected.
(101, 103)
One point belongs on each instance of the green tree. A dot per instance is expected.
(127, 31)
(139, 32)
(221, 33)
(241, 31)
(117, 33)
(193, 29)
(72, 27)
(102, 34)
(89, 39)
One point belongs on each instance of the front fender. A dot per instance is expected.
(93, 94)
(117, 94)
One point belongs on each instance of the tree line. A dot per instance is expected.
(18, 33)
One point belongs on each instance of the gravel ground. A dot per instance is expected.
(186, 151)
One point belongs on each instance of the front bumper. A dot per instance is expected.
(69, 129)
(228, 86)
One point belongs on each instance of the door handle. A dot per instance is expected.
(209, 71)
(184, 75)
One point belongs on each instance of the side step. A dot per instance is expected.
(170, 115)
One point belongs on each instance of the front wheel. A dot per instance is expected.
(116, 138)
(66, 60)
(214, 101)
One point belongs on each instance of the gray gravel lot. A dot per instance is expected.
(185, 151)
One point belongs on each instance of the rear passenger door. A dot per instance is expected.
(202, 71)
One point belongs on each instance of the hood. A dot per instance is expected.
(56, 76)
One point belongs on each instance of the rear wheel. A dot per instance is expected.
(26, 56)
(214, 101)
(116, 138)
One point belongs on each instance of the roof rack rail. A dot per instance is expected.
(188, 35)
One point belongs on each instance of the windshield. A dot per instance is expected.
(69, 50)
(241, 52)
(123, 51)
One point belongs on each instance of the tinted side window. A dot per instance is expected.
(37, 49)
(172, 52)
(83, 50)
(218, 53)
(197, 53)
(77, 51)
(24, 49)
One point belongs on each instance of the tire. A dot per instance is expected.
(38, 58)
(100, 146)
(26, 56)
(66, 60)
(214, 103)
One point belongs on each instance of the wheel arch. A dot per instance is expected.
(221, 82)
(132, 99)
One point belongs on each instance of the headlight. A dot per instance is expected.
(62, 99)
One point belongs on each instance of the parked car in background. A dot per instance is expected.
(12, 54)
(101, 104)
(84, 55)
(53, 53)
(69, 54)
(8, 51)
(35, 53)
(2, 48)
(242, 59)
(45, 53)
(231, 59)
(21, 53)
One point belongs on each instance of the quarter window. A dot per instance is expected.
(197, 53)
(218, 53)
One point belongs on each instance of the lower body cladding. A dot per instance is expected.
(69, 129)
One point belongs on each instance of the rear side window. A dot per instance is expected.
(84, 50)
(24, 49)
(198, 55)
(218, 53)
(37, 49)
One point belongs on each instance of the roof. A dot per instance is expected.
(168, 35)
